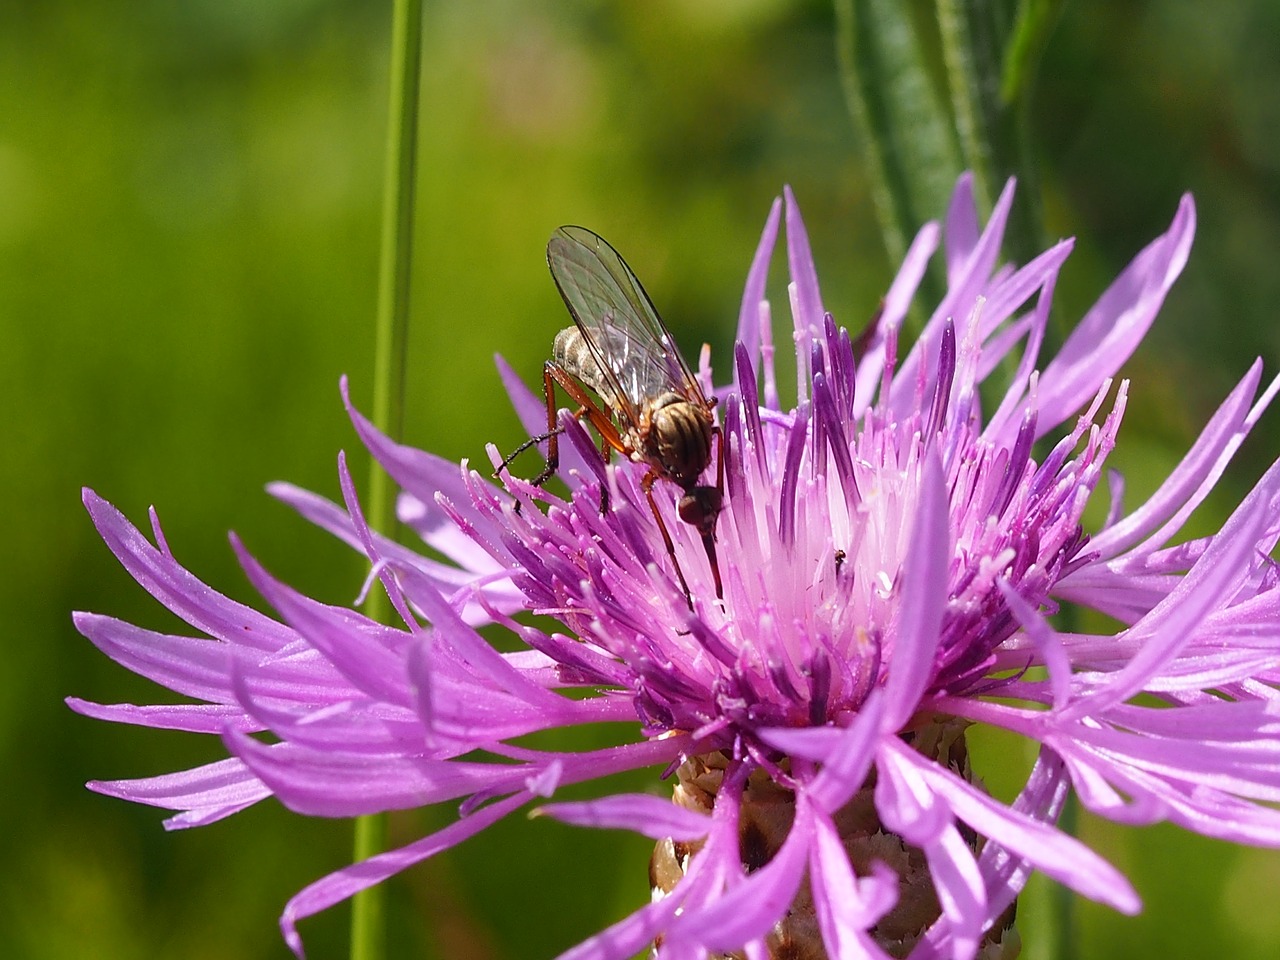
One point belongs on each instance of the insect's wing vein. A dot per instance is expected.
(629, 342)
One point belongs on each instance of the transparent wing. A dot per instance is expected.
(628, 340)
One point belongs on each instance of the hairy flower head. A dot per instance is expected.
(894, 545)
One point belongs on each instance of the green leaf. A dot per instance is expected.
(991, 49)
(912, 152)
(1030, 34)
(973, 34)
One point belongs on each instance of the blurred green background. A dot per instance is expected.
(189, 197)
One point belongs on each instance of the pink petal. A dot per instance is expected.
(1116, 324)
(924, 591)
(349, 881)
(640, 813)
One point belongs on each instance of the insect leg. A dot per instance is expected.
(531, 442)
(647, 486)
(709, 533)
(553, 431)
(718, 435)
(588, 408)
(599, 418)
(553, 373)
(605, 452)
(700, 507)
(553, 435)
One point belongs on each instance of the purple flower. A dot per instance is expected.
(893, 550)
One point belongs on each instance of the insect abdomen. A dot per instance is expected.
(679, 439)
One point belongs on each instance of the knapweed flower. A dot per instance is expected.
(895, 547)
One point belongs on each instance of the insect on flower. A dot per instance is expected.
(650, 409)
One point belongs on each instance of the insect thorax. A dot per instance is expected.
(571, 353)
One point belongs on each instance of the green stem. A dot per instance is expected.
(390, 339)
(1046, 909)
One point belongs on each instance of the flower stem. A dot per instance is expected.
(1046, 909)
(392, 324)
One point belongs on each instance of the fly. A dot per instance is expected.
(650, 408)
